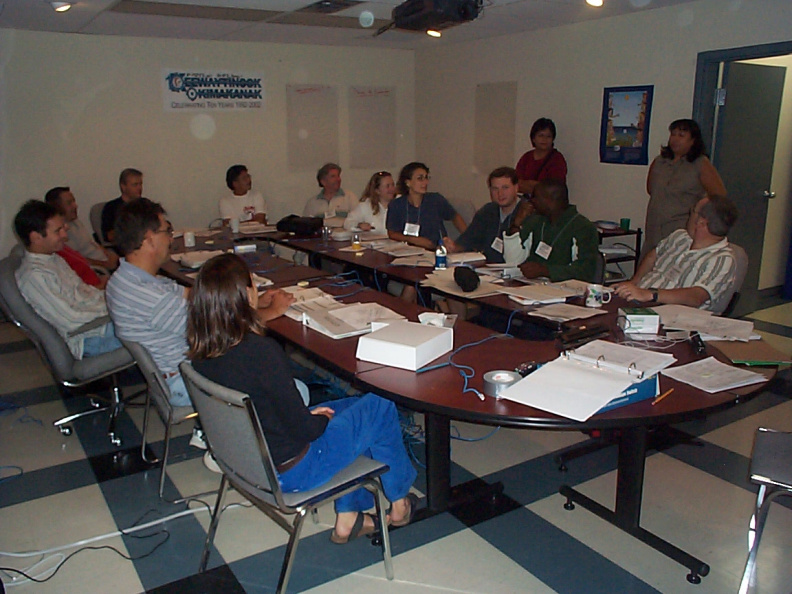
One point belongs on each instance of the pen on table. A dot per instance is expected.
(663, 395)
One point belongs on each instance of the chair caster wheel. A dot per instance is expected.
(376, 539)
(116, 441)
(569, 506)
(694, 578)
(65, 430)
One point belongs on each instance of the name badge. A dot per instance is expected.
(412, 229)
(497, 245)
(329, 214)
(543, 250)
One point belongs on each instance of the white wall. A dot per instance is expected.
(561, 73)
(75, 110)
(779, 209)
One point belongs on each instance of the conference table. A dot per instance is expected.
(438, 395)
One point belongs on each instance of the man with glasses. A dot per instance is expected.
(53, 289)
(694, 266)
(152, 310)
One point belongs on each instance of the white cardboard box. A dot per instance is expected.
(407, 345)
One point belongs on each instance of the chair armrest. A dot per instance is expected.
(97, 323)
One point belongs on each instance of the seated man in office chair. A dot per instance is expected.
(131, 184)
(53, 289)
(491, 221)
(694, 266)
(550, 238)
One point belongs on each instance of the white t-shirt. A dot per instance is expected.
(242, 207)
(362, 213)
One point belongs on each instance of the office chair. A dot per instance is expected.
(725, 305)
(240, 448)
(67, 371)
(95, 217)
(159, 395)
(771, 469)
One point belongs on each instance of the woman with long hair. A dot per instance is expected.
(417, 215)
(372, 210)
(308, 446)
(678, 178)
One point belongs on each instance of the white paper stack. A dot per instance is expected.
(713, 376)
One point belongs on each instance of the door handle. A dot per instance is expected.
(768, 194)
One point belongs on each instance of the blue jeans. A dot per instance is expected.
(367, 426)
(104, 343)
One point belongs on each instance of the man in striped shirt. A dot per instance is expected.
(75, 309)
(694, 266)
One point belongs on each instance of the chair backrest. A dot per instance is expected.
(157, 386)
(50, 345)
(599, 269)
(235, 437)
(725, 304)
(96, 222)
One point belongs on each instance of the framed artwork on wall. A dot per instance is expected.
(624, 132)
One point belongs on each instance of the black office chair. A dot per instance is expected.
(95, 217)
(240, 448)
(67, 371)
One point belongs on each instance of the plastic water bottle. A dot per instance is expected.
(441, 256)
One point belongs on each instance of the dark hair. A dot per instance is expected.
(698, 147)
(555, 189)
(53, 196)
(720, 213)
(126, 174)
(324, 170)
(33, 216)
(134, 220)
(370, 193)
(219, 314)
(543, 124)
(407, 173)
(509, 172)
(233, 174)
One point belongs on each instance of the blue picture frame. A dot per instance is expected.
(624, 132)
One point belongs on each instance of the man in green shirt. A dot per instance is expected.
(551, 238)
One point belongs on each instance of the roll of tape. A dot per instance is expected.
(495, 382)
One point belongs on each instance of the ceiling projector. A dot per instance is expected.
(420, 15)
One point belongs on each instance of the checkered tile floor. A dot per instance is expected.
(59, 493)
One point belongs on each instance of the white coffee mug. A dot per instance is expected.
(189, 239)
(596, 295)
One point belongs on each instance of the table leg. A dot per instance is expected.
(629, 493)
(438, 461)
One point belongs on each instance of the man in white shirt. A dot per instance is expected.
(53, 289)
(243, 204)
(80, 239)
(332, 203)
(694, 266)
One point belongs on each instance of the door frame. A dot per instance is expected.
(707, 74)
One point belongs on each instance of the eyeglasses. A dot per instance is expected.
(168, 230)
(422, 177)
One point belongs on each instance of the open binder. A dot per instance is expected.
(580, 383)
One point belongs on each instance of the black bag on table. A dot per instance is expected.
(300, 225)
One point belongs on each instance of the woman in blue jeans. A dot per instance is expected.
(308, 446)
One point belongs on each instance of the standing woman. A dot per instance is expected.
(308, 446)
(372, 210)
(544, 161)
(677, 180)
(417, 215)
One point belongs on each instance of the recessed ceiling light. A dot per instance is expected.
(594, 2)
(61, 6)
(433, 33)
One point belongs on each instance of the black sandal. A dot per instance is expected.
(358, 529)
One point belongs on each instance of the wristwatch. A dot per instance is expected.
(654, 295)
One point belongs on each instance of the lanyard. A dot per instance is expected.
(561, 231)
(407, 210)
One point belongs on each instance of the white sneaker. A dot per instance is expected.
(210, 463)
(198, 440)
